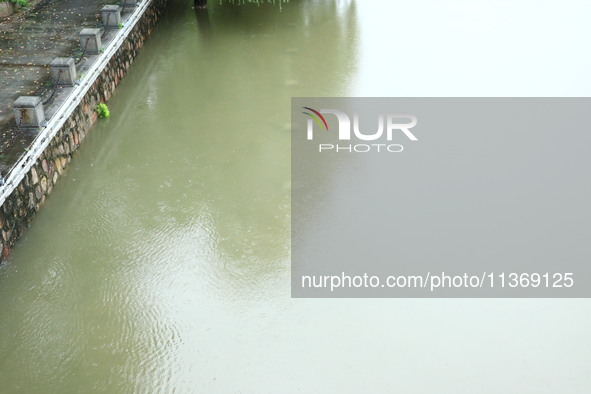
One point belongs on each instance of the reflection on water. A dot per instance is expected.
(203, 22)
(161, 261)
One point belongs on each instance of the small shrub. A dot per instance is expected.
(103, 110)
(120, 25)
(23, 3)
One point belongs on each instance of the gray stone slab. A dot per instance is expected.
(29, 42)
(27, 102)
(62, 62)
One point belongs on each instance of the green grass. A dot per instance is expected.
(103, 110)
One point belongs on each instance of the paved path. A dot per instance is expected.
(29, 42)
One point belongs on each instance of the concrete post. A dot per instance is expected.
(63, 71)
(111, 16)
(6, 9)
(28, 112)
(90, 39)
(128, 3)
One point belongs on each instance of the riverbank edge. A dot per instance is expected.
(28, 197)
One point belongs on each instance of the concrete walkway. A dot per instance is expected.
(29, 41)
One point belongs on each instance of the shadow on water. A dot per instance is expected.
(202, 16)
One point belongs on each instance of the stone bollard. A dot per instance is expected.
(111, 16)
(6, 8)
(128, 3)
(28, 112)
(63, 71)
(90, 41)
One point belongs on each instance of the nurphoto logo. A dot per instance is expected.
(392, 124)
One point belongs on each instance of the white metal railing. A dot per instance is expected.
(18, 171)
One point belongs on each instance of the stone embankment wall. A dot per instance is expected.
(30, 194)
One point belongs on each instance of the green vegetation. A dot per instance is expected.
(103, 110)
(23, 3)
(254, 1)
(120, 25)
